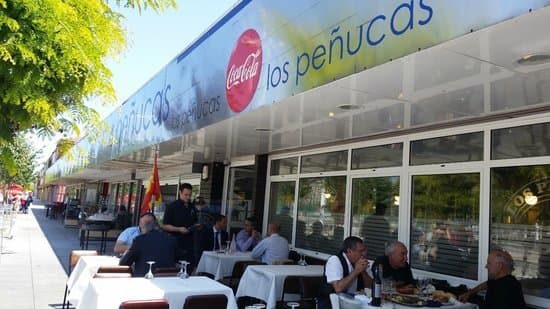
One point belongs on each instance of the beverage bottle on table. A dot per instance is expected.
(377, 287)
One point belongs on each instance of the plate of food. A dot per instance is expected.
(408, 300)
(445, 298)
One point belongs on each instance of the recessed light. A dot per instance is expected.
(533, 59)
(331, 114)
(349, 107)
(263, 130)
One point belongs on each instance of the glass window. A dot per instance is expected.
(377, 156)
(284, 166)
(325, 162)
(445, 216)
(453, 148)
(520, 223)
(320, 221)
(375, 212)
(281, 206)
(521, 142)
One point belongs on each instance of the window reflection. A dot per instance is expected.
(519, 142)
(320, 221)
(375, 212)
(281, 207)
(324, 162)
(377, 156)
(520, 223)
(446, 149)
(284, 166)
(445, 214)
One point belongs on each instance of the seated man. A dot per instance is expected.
(151, 245)
(346, 271)
(395, 265)
(212, 238)
(273, 247)
(503, 289)
(248, 237)
(125, 239)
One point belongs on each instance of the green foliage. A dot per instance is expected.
(18, 162)
(52, 59)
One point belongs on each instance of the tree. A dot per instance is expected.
(21, 165)
(52, 58)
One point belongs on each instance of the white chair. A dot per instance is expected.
(334, 301)
(347, 302)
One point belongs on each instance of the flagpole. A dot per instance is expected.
(153, 204)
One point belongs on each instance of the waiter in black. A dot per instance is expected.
(179, 220)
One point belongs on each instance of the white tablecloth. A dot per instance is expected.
(219, 264)
(266, 281)
(108, 293)
(83, 272)
(352, 303)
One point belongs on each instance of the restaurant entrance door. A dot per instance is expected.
(240, 197)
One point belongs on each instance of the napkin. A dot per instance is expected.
(363, 299)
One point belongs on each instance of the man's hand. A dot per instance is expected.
(183, 230)
(466, 296)
(256, 235)
(361, 265)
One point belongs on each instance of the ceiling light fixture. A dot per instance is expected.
(533, 59)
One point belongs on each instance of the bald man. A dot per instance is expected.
(273, 247)
(395, 264)
(503, 290)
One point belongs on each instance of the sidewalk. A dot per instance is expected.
(33, 264)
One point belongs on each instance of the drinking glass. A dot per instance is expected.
(423, 284)
(149, 274)
(388, 288)
(302, 261)
(227, 246)
(183, 270)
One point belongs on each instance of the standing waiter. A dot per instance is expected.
(179, 220)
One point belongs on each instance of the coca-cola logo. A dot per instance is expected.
(243, 70)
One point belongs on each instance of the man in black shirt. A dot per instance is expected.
(395, 265)
(503, 290)
(179, 220)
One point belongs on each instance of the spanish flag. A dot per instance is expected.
(152, 195)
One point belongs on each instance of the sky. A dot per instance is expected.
(154, 39)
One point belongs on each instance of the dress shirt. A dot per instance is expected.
(334, 272)
(128, 235)
(245, 242)
(271, 248)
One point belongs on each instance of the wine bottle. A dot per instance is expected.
(377, 286)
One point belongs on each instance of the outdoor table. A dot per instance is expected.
(220, 264)
(105, 293)
(265, 282)
(335, 302)
(83, 272)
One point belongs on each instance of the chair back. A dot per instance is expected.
(122, 269)
(166, 271)
(75, 256)
(310, 286)
(113, 275)
(283, 262)
(145, 304)
(240, 267)
(205, 274)
(213, 301)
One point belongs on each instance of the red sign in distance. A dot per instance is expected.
(243, 70)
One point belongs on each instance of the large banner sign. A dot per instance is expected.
(265, 51)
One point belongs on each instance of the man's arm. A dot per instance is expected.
(171, 228)
(120, 247)
(343, 284)
(123, 241)
(471, 292)
(259, 250)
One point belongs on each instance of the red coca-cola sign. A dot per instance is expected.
(243, 70)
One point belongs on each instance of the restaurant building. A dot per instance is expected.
(421, 120)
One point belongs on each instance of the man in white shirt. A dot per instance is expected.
(346, 271)
(125, 239)
(273, 247)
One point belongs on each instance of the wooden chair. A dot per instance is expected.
(115, 269)
(309, 287)
(205, 274)
(113, 275)
(291, 285)
(283, 262)
(213, 301)
(237, 273)
(166, 271)
(145, 304)
(73, 259)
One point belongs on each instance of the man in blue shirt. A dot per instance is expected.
(125, 239)
(273, 247)
(248, 237)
